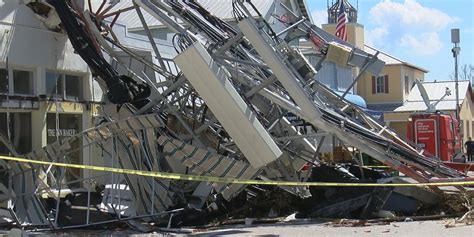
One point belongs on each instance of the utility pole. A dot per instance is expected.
(455, 38)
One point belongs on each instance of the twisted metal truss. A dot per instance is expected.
(169, 126)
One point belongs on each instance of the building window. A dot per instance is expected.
(380, 84)
(3, 81)
(472, 123)
(468, 131)
(73, 87)
(18, 125)
(407, 84)
(59, 126)
(64, 86)
(54, 85)
(62, 125)
(22, 82)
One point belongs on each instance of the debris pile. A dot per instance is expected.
(230, 112)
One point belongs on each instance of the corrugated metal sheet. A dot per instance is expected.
(223, 8)
(303, 5)
(420, 106)
(435, 91)
(333, 76)
(219, 8)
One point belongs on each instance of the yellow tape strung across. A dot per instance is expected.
(164, 175)
(376, 166)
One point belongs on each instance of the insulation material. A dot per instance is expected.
(203, 162)
(338, 53)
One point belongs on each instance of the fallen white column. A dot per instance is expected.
(211, 82)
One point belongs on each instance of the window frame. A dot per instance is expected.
(407, 84)
(79, 86)
(11, 81)
(380, 84)
(25, 140)
(57, 94)
(472, 128)
(63, 93)
(7, 78)
(468, 128)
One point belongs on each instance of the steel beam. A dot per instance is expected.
(211, 82)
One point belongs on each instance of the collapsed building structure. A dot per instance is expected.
(224, 110)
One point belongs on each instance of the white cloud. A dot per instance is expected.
(319, 17)
(374, 35)
(426, 44)
(408, 25)
(410, 14)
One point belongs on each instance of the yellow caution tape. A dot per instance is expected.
(376, 166)
(173, 176)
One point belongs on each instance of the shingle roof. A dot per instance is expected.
(435, 91)
(389, 59)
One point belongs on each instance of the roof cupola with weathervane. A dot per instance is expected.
(334, 11)
(342, 22)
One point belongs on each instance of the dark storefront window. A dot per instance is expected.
(60, 126)
(73, 87)
(3, 81)
(22, 82)
(20, 132)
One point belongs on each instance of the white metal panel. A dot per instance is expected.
(280, 70)
(211, 82)
(204, 162)
(435, 91)
(333, 76)
(308, 110)
(421, 106)
(221, 9)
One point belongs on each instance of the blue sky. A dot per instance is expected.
(416, 31)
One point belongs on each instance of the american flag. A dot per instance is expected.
(341, 22)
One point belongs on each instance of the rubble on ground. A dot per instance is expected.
(229, 113)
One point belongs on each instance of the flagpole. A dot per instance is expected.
(455, 39)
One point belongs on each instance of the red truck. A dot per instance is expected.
(438, 134)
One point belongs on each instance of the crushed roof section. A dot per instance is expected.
(303, 5)
(435, 91)
(219, 8)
